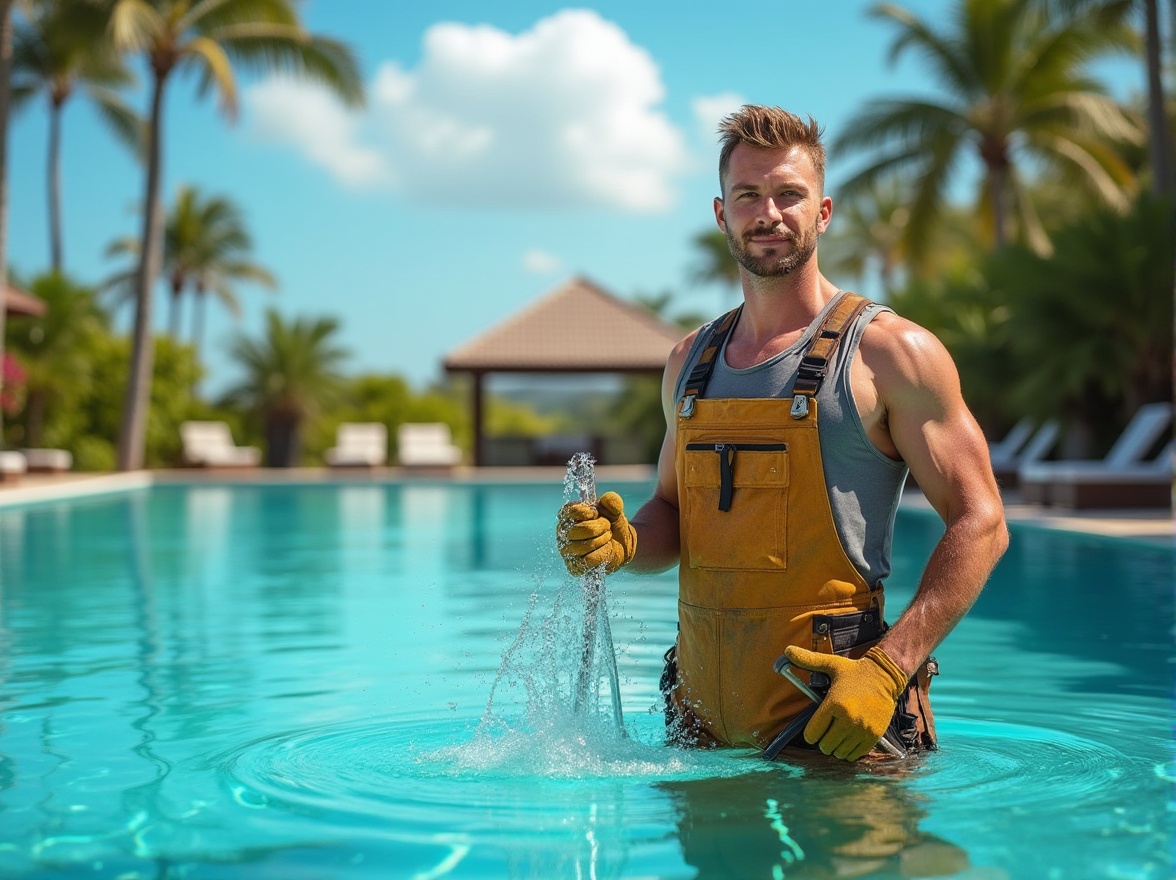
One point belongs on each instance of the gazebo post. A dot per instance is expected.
(479, 454)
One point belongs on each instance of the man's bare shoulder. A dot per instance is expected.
(901, 353)
(682, 348)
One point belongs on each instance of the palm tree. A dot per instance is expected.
(5, 93)
(290, 375)
(868, 234)
(1015, 94)
(1118, 13)
(205, 248)
(210, 36)
(55, 52)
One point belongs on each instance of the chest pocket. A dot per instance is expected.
(736, 506)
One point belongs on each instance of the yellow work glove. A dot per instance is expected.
(588, 535)
(860, 703)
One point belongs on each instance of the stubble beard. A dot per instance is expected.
(771, 265)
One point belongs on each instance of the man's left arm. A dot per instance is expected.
(936, 435)
(913, 409)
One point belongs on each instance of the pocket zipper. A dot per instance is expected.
(726, 453)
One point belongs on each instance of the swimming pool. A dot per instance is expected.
(361, 680)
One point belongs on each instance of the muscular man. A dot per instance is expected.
(793, 422)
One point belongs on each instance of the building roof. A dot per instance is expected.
(577, 328)
(17, 302)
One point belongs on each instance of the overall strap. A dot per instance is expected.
(699, 376)
(815, 363)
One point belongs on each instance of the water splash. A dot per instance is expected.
(556, 701)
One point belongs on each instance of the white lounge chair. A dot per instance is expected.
(426, 444)
(1124, 478)
(359, 444)
(13, 465)
(1020, 447)
(1007, 448)
(210, 444)
(48, 461)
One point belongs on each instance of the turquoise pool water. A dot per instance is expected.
(371, 681)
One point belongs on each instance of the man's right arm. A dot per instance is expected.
(658, 538)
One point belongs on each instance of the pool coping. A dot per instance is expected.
(1149, 525)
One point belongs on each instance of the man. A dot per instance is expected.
(792, 424)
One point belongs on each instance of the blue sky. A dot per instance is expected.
(503, 149)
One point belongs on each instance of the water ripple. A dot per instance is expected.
(1021, 766)
(426, 774)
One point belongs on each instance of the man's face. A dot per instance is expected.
(772, 210)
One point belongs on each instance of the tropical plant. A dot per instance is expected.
(55, 351)
(205, 249)
(715, 263)
(1091, 326)
(210, 36)
(1083, 334)
(12, 389)
(868, 236)
(94, 427)
(58, 50)
(290, 375)
(1016, 95)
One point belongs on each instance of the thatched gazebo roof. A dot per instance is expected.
(577, 328)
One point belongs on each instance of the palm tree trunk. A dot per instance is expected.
(137, 401)
(54, 174)
(1159, 148)
(5, 77)
(996, 193)
(198, 307)
(198, 321)
(174, 318)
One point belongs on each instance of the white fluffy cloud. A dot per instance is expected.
(562, 115)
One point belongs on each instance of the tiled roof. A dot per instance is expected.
(578, 327)
(17, 302)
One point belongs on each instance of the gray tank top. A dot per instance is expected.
(864, 485)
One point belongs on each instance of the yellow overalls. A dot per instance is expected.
(762, 566)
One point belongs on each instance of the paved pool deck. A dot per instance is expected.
(1150, 524)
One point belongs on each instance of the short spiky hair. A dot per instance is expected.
(771, 128)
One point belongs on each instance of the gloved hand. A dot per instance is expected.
(860, 703)
(588, 535)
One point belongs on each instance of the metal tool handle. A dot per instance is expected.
(789, 733)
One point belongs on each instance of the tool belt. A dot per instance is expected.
(912, 727)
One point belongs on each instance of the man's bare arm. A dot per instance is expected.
(933, 431)
(658, 535)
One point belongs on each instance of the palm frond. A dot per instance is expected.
(267, 48)
(935, 48)
(206, 15)
(1093, 170)
(127, 125)
(215, 69)
(906, 121)
(135, 25)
